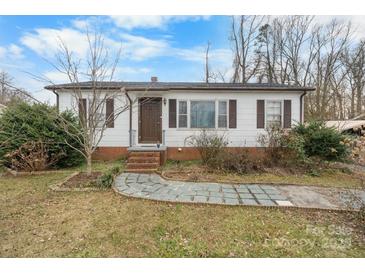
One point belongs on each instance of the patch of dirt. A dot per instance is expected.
(203, 174)
(82, 179)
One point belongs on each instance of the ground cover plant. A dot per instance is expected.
(37, 222)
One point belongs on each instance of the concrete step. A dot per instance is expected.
(144, 159)
(143, 154)
(149, 170)
(142, 165)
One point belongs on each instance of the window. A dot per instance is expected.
(273, 113)
(222, 114)
(183, 114)
(99, 113)
(202, 114)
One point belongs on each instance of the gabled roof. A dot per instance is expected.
(181, 86)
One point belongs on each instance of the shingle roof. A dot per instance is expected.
(181, 86)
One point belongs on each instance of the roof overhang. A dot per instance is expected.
(184, 88)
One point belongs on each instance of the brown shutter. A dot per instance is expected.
(287, 113)
(82, 111)
(232, 113)
(260, 114)
(172, 113)
(110, 113)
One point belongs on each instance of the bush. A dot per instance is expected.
(321, 141)
(209, 145)
(236, 161)
(283, 147)
(32, 156)
(22, 123)
(106, 180)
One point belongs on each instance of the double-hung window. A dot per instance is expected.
(222, 114)
(273, 113)
(202, 114)
(183, 114)
(98, 111)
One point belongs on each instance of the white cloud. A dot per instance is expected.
(131, 70)
(2, 52)
(141, 48)
(55, 77)
(357, 23)
(81, 24)
(45, 41)
(11, 53)
(151, 21)
(197, 54)
(16, 51)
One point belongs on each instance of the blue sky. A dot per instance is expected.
(169, 47)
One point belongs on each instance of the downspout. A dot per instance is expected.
(301, 107)
(57, 99)
(130, 118)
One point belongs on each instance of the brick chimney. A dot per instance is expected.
(154, 79)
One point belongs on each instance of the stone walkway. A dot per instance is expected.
(153, 187)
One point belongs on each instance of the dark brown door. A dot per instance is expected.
(150, 120)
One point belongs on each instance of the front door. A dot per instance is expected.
(150, 120)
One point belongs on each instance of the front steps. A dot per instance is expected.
(143, 161)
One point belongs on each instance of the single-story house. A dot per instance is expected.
(167, 113)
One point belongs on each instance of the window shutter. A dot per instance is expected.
(110, 113)
(82, 111)
(260, 114)
(287, 113)
(172, 113)
(232, 113)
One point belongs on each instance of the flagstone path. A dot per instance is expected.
(154, 187)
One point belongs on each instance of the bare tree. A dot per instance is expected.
(354, 61)
(295, 50)
(9, 93)
(91, 104)
(244, 33)
(332, 42)
(207, 73)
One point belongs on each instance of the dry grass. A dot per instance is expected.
(37, 222)
(194, 171)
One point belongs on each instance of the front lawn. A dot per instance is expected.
(38, 222)
(328, 177)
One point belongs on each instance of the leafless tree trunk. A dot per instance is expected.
(244, 32)
(207, 73)
(97, 68)
(354, 61)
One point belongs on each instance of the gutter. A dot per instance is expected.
(301, 107)
(190, 88)
(57, 99)
(130, 116)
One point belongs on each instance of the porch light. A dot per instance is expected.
(164, 101)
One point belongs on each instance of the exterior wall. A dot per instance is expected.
(245, 135)
(113, 137)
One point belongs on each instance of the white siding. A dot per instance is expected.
(245, 134)
(113, 137)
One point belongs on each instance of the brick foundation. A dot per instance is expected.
(190, 153)
(173, 153)
(110, 153)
